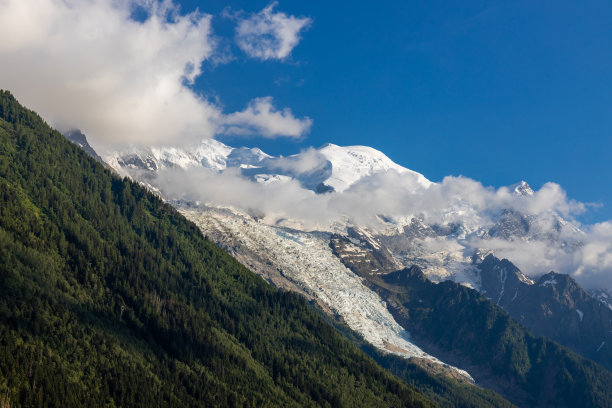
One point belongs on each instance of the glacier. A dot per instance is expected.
(439, 227)
(306, 259)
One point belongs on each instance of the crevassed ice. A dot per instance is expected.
(306, 259)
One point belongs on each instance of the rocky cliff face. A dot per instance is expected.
(470, 331)
(78, 138)
(554, 305)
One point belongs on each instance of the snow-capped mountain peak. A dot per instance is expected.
(329, 168)
(351, 163)
(522, 189)
(213, 154)
(210, 154)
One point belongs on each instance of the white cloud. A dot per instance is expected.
(270, 35)
(586, 254)
(308, 161)
(262, 119)
(273, 201)
(593, 261)
(88, 64)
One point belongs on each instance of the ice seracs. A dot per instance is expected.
(307, 261)
(442, 248)
(447, 241)
(439, 239)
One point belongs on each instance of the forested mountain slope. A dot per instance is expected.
(109, 297)
(554, 305)
(470, 331)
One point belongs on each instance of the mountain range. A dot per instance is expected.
(109, 297)
(81, 246)
(344, 266)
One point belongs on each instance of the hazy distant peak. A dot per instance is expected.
(522, 189)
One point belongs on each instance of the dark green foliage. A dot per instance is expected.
(445, 391)
(109, 297)
(528, 370)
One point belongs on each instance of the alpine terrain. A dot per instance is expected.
(348, 262)
(110, 297)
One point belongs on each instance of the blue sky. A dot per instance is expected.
(496, 91)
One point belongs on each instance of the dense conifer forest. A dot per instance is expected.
(109, 297)
(469, 330)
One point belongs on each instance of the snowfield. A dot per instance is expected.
(352, 163)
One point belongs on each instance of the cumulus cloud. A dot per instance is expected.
(262, 119)
(270, 35)
(593, 262)
(588, 260)
(308, 161)
(389, 199)
(396, 196)
(89, 64)
(273, 201)
(555, 240)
